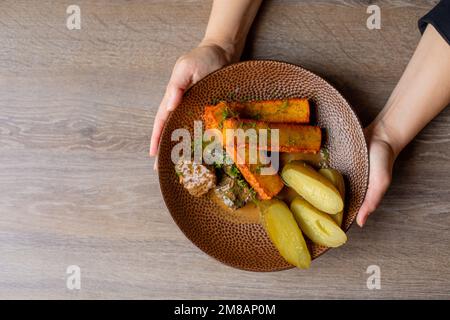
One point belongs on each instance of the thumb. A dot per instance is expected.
(180, 80)
(375, 193)
(178, 83)
(174, 95)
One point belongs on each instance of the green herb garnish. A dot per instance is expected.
(291, 141)
(234, 171)
(284, 106)
(257, 116)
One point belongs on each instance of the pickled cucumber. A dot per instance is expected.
(284, 232)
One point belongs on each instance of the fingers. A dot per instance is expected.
(158, 126)
(174, 95)
(375, 192)
(155, 165)
(179, 81)
(171, 100)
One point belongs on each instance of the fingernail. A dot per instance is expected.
(362, 222)
(152, 150)
(358, 220)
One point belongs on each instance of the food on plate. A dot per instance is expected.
(316, 198)
(214, 116)
(284, 233)
(318, 160)
(295, 110)
(317, 226)
(232, 189)
(265, 185)
(312, 186)
(292, 137)
(287, 195)
(196, 178)
(338, 181)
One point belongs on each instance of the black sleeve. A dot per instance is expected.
(439, 18)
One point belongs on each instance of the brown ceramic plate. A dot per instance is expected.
(244, 244)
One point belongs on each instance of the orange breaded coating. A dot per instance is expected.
(292, 137)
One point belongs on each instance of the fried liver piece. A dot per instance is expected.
(196, 178)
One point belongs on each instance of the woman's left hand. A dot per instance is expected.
(381, 161)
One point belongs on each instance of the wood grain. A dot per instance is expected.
(77, 187)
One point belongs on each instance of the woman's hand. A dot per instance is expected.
(422, 92)
(381, 159)
(228, 25)
(189, 69)
(224, 40)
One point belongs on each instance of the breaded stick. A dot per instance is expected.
(292, 137)
(293, 110)
(266, 186)
(288, 111)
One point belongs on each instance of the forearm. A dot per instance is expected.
(229, 23)
(422, 92)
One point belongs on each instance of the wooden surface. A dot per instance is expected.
(77, 187)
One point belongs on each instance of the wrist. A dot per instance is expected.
(380, 131)
(231, 50)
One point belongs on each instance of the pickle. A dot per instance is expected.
(313, 187)
(317, 226)
(284, 233)
(338, 181)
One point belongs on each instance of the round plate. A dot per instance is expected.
(246, 245)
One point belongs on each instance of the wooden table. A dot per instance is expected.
(77, 186)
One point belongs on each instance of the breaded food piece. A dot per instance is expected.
(295, 110)
(292, 137)
(266, 186)
(213, 116)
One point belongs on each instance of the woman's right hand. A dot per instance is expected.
(189, 69)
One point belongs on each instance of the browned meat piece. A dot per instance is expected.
(234, 193)
(197, 178)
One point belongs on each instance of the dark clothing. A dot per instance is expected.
(439, 18)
